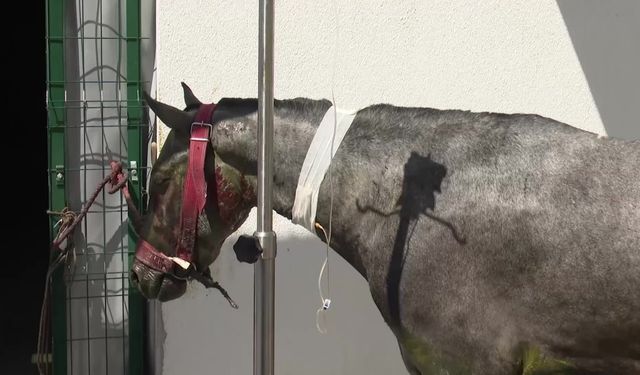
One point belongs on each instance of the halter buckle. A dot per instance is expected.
(203, 124)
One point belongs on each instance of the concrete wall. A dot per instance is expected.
(576, 62)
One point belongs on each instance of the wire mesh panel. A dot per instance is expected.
(94, 98)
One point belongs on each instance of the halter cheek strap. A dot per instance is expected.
(194, 196)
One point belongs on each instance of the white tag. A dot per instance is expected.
(181, 262)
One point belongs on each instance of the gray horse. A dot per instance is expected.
(492, 243)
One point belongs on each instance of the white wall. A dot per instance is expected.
(492, 55)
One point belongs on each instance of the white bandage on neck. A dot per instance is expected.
(324, 145)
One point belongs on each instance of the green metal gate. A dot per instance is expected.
(95, 115)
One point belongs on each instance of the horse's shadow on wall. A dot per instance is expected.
(421, 181)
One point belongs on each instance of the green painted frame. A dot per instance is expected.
(56, 118)
(56, 131)
(135, 149)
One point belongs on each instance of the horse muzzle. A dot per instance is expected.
(154, 284)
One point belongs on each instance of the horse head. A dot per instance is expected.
(159, 272)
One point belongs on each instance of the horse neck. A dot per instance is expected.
(295, 124)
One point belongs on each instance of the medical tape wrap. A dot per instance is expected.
(317, 162)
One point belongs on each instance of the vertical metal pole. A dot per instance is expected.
(264, 271)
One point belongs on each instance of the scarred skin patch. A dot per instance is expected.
(233, 192)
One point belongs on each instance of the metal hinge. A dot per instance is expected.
(133, 170)
(60, 175)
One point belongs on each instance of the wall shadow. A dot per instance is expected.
(606, 38)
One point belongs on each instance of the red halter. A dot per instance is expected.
(194, 196)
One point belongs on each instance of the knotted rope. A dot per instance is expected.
(68, 222)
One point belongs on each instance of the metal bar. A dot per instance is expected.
(94, 338)
(265, 116)
(57, 200)
(134, 116)
(105, 126)
(122, 81)
(93, 38)
(83, 149)
(104, 195)
(264, 269)
(85, 225)
(124, 276)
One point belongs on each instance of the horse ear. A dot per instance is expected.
(190, 99)
(173, 117)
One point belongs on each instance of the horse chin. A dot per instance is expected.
(171, 289)
(156, 285)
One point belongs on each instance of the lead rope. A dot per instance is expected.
(42, 358)
(68, 222)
